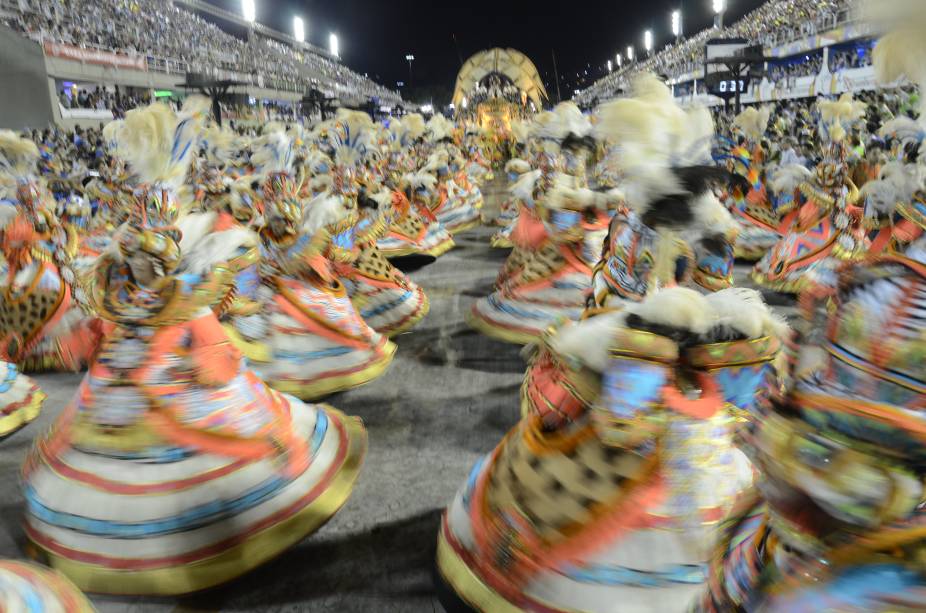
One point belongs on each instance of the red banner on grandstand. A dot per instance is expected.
(95, 56)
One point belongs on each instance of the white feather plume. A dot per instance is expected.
(323, 211)
(788, 178)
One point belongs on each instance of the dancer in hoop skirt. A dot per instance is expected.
(175, 468)
(837, 522)
(316, 342)
(616, 508)
(42, 325)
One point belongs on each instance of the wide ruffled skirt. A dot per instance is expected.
(386, 299)
(562, 522)
(174, 469)
(311, 341)
(549, 287)
(412, 234)
(458, 214)
(30, 588)
(20, 399)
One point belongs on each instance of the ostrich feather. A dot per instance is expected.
(323, 211)
(754, 122)
(18, 156)
(273, 153)
(158, 144)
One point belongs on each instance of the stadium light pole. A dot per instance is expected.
(720, 7)
(333, 46)
(249, 10)
(677, 25)
(299, 29)
(648, 41)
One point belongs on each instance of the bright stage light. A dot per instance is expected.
(409, 58)
(249, 10)
(609, 65)
(676, 23)
(620, 59)
(299, 29)
(630, 53)
(333, 45)
(720, 6)
(648, 40)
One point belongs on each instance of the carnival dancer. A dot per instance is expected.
(42, 325)
(175, 468)
(317, 342)
(755, 205)
(387, 300)
(838, 517)
(617, 510)
(412, 231)
(514, 168)
(672, 231)
(837, 522)
(827, 229)
(456, 207)
(549, 278)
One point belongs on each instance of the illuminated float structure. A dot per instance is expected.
(493, 88)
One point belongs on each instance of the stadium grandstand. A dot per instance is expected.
(811, 47)
(104, 56)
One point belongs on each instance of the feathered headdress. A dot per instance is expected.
(157, 143)
(18, 156)
(520, 130)
(410, 129)
(836, 116)
(351, 137)
(654, 138)
(563, 122)
(753, 122)
(220, 144)
(439, 128)
(273, 153)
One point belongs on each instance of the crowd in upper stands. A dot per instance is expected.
(773, 23)
(101, 98)
(158, 29)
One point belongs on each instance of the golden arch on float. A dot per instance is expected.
(509, 62)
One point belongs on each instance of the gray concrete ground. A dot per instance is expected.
(448, 398)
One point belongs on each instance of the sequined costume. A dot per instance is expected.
(175, 468)
(756, 206)
(827, 227)
(548, 277)
(42, 325)
(607, 495)
(837, 518)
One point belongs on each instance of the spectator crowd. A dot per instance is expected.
(158, 29)
(773, 23)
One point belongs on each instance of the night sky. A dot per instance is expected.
(376, 35)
